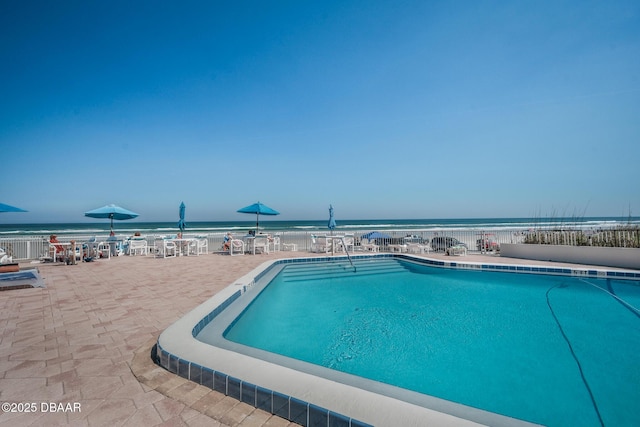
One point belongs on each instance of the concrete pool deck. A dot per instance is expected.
(84, 341)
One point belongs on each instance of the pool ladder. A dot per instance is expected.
(344, 245)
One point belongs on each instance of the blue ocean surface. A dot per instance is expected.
(204, 227)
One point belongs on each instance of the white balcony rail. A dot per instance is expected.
(477, 240)
(34, 247)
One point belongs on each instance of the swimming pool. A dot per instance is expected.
(464, 341)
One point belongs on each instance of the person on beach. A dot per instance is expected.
(59, 249)
(226, 244)
(54, 239)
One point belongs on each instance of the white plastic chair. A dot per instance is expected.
(203, 245)
(274, 244)
(260, 242)
(165, 248)
(192, 248)
(138, 246)
(368, 246)
(320, 244)
(236, 247)
(104, 250)
(347, 242)
(417, 248)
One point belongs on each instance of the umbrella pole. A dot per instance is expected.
(333, 251)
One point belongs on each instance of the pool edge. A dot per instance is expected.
(308, 404)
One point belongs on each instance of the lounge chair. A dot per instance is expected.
(397, 248)
(417, 248)
(368, 246)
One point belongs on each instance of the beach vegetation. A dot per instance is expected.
(619, 237)
(625, 235)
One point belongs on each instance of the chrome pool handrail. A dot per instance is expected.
(344, 245)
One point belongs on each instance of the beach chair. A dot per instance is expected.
(203, 245)
(417, 248)
(236, 247)
(368, 246)
(138, 246)
(104, 250)
(320, 244)
(192, 247)
(274, 243)
(400, 248)
(346, 243)
(165, 248)
(58, 251)
(260, 243)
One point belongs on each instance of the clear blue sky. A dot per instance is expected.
(385, 109)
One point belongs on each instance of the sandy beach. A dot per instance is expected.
(77, 351)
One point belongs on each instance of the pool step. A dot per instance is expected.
(339, 269)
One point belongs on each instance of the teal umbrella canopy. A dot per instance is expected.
(375, 235)
(112, 212)
(181, 224)
(258, 209)
(9, 208)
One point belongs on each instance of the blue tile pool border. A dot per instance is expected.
(306, 413)
(284, 406)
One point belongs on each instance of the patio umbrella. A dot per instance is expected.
(181, 224)
(375, 235)
(332, 221)
(9, 208)
(331, 225)
(258, 209)
(112, 212)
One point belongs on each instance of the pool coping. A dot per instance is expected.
(305, 398)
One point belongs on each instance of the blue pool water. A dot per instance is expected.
(553, 350)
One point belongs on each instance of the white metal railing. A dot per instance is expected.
(476, 240)
(34, 247)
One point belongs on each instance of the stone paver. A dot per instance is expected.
(86, 339)
(78, 351)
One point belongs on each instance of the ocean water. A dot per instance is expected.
(267, 225)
